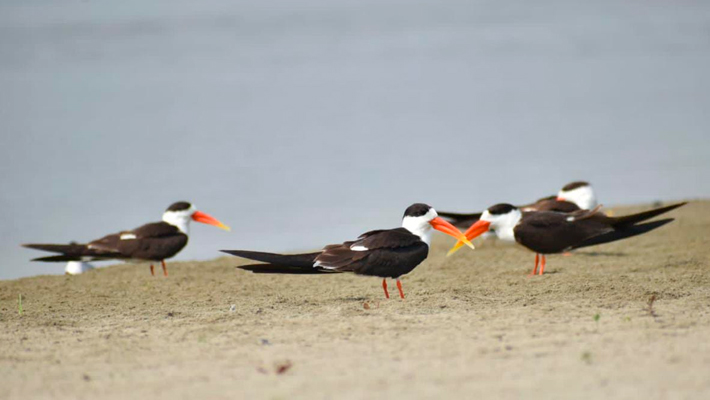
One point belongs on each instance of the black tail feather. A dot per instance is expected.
(627, 220)
(283, 269)
(57, 258)
(294, 260)
(64, 257)
(73, 249)
(623, 233)
(68, 252)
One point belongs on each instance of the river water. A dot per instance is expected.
(309, 122)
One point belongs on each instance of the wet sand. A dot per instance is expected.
(472, 325)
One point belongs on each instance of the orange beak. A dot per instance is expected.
(560, 198)
(477, 229)
(442, 225)
(205, 218)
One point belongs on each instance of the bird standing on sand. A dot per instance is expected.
(388, 253)
(156, 241)
(548, 232)
(572, 197)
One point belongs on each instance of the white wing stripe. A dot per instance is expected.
(318, 264)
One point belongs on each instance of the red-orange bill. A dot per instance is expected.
(444, 226)
(205, 218)
(477, 229)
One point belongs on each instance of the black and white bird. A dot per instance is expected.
(156, 241)
(572, 197)
(549, 232)
(388, 253)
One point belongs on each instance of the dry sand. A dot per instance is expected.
(473, 325)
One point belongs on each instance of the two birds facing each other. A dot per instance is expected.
(555, 224)
(389, 253)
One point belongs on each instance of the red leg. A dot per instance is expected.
(384, 286)
(542, 265)
(537, 261)
(165, 267)
(399, 286)
(152, 270)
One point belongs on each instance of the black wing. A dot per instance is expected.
(384, 253)
(70, 252)
(386, 238)
(154, 241)
(552, 204)
(628, 220)
(552, 232)
(624, 233)
(336, 256)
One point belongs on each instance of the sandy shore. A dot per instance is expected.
(472, 325)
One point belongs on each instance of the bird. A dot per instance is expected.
(156, 241)
(386, 253)
(549, 232)
(578, 195)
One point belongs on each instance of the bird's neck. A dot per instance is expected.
(506, 233)
(505, 226)
(182, 224)
(423, 231)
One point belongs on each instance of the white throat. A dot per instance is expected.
(180, 219)
(503, 225)
(420, 225)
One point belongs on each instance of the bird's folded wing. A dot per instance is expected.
(390, 238)
(154, 229)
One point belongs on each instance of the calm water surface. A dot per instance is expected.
(303, 123)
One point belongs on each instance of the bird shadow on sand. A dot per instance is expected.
(600, 254)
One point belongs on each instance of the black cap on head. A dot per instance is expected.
(500, 209)
(179, 206)
(574, 185)
(416, 210)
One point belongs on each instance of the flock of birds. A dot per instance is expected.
(570, 220)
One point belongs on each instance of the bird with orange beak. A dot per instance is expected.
(578, 195)
(156, 241)
(387, 253)
(549, 232)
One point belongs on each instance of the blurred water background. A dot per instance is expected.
(301, 123)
